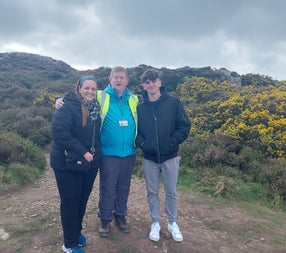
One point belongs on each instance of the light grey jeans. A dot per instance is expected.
(152, 173)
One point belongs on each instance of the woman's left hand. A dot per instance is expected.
(88, 156)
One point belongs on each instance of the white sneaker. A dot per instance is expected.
(154, 234)
(175, 231)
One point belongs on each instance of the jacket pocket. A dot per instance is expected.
(169, 146)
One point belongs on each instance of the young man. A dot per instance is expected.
(118, 131)
(162, 125)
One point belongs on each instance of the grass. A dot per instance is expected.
(231, 186)
(247, 196)
(18, 175)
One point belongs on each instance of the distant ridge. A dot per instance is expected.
(32, 70)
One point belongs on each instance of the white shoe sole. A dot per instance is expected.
(64, 249)
(175, 239)
(154, 239)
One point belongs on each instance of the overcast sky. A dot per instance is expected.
(245, 36)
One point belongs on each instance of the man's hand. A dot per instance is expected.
(59, 103)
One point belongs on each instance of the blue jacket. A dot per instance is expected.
(118, 140)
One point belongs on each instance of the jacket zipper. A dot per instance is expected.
(157, 138)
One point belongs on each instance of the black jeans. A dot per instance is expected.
(74, 190)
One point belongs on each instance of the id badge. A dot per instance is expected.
(123, 123)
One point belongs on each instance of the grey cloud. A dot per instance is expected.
(244, 35)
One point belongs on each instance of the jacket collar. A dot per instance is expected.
(112, 92)
(164, 94)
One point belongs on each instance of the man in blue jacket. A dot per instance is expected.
(162, 126)
(118, 131)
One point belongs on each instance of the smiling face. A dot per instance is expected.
(118, 81)
(88, 89)
(153, 88)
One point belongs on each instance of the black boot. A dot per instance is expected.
(121, 223)
(104, 228)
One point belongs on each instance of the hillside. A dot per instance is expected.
(40, 72)
(29, 84)
(238, 127)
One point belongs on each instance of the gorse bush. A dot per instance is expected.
(21, 161)
(253, 115)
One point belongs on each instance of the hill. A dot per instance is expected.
(38, 72)
(238, 121)
(29, 84)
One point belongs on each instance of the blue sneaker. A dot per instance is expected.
(82, 240)
(72, 250)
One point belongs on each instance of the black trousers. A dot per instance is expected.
(74, 190)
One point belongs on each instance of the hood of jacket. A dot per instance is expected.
(113, 93)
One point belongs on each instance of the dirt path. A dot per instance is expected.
(30, 223)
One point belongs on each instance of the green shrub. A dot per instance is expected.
(14, 149)
(42, 137)
(21, 161)
(273, 175)
(219, 166)
(211, 151)
(33, 123)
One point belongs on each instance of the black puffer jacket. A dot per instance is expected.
(162, 126)
(69, 134)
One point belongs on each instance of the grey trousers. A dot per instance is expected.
(152, 173)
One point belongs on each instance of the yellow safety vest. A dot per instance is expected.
(104, 100)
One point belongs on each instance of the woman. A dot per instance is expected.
(72, 130)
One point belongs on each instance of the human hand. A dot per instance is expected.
(59, 103)
(88, 156)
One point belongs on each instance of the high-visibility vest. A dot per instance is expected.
(104, 100)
